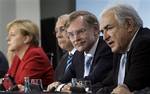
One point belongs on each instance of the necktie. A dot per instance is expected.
(69, 61)
(87, 65)
(121, 73)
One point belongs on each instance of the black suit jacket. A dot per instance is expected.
(60, 68)
(137, 74)
(3, 65)
(101, 65)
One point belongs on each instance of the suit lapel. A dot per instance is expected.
(116, 65)
(98, 52)
(130, 51)
(81, 65)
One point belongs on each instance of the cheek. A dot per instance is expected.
(61, 44)
(118, 39)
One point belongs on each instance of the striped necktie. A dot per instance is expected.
(87, 65)
(69, 61)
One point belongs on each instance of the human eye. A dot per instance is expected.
(62, 29)
(12, 35)
(81, 31)
(108, 28)
(70, 34)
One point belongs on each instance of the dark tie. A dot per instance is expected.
(69, 61)
(87, 65)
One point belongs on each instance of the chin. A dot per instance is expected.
(80, 49)
(114, 50)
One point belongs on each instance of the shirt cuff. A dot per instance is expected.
(60, 87)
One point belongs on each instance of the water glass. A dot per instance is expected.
(36, 84)
(87, 85)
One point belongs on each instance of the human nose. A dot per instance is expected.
(106, 35)
(76, 36)
(58, 34)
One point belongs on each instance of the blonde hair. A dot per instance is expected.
(63, 20)
(26, 27)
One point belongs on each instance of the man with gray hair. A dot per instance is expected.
(93, 58)
(124, 33)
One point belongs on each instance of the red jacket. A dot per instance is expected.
(34, 64)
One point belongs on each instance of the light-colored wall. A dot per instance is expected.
(7, 13)
(28, 9)
(20, 9)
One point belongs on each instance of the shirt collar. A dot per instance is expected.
(92, 50)
(72, 51)
(129, 46)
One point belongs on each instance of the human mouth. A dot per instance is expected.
(78, 44)
(110, 43)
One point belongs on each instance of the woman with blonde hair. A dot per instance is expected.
(29, 59)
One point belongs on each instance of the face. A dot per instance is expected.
(15, 40)
(115, 34)
(81, 36)
(62, 38)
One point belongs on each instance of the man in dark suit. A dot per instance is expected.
(83, 31)
(65, 44)
(102, 62)
(124, 33)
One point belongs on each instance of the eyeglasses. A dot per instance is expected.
(78, 32)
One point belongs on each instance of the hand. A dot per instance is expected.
(121, 89)
(52, 86)
(66, 88)
(21, 87)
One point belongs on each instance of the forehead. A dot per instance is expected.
(76, 24)
(14, 30)
(60, 23)
(108, 18)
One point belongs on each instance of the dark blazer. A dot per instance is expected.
(3, 65)
(60, 68)
(137, 74)
(101, 65)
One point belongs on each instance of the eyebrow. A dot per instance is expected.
(106, 27)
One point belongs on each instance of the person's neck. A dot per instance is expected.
(22, 51)
(70, 49)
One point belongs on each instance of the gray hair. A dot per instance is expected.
(89, 18)
(123, 11)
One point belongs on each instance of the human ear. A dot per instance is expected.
(130, 24)
(96, 31)
(27, 39)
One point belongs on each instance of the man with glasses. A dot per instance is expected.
(93, 58)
